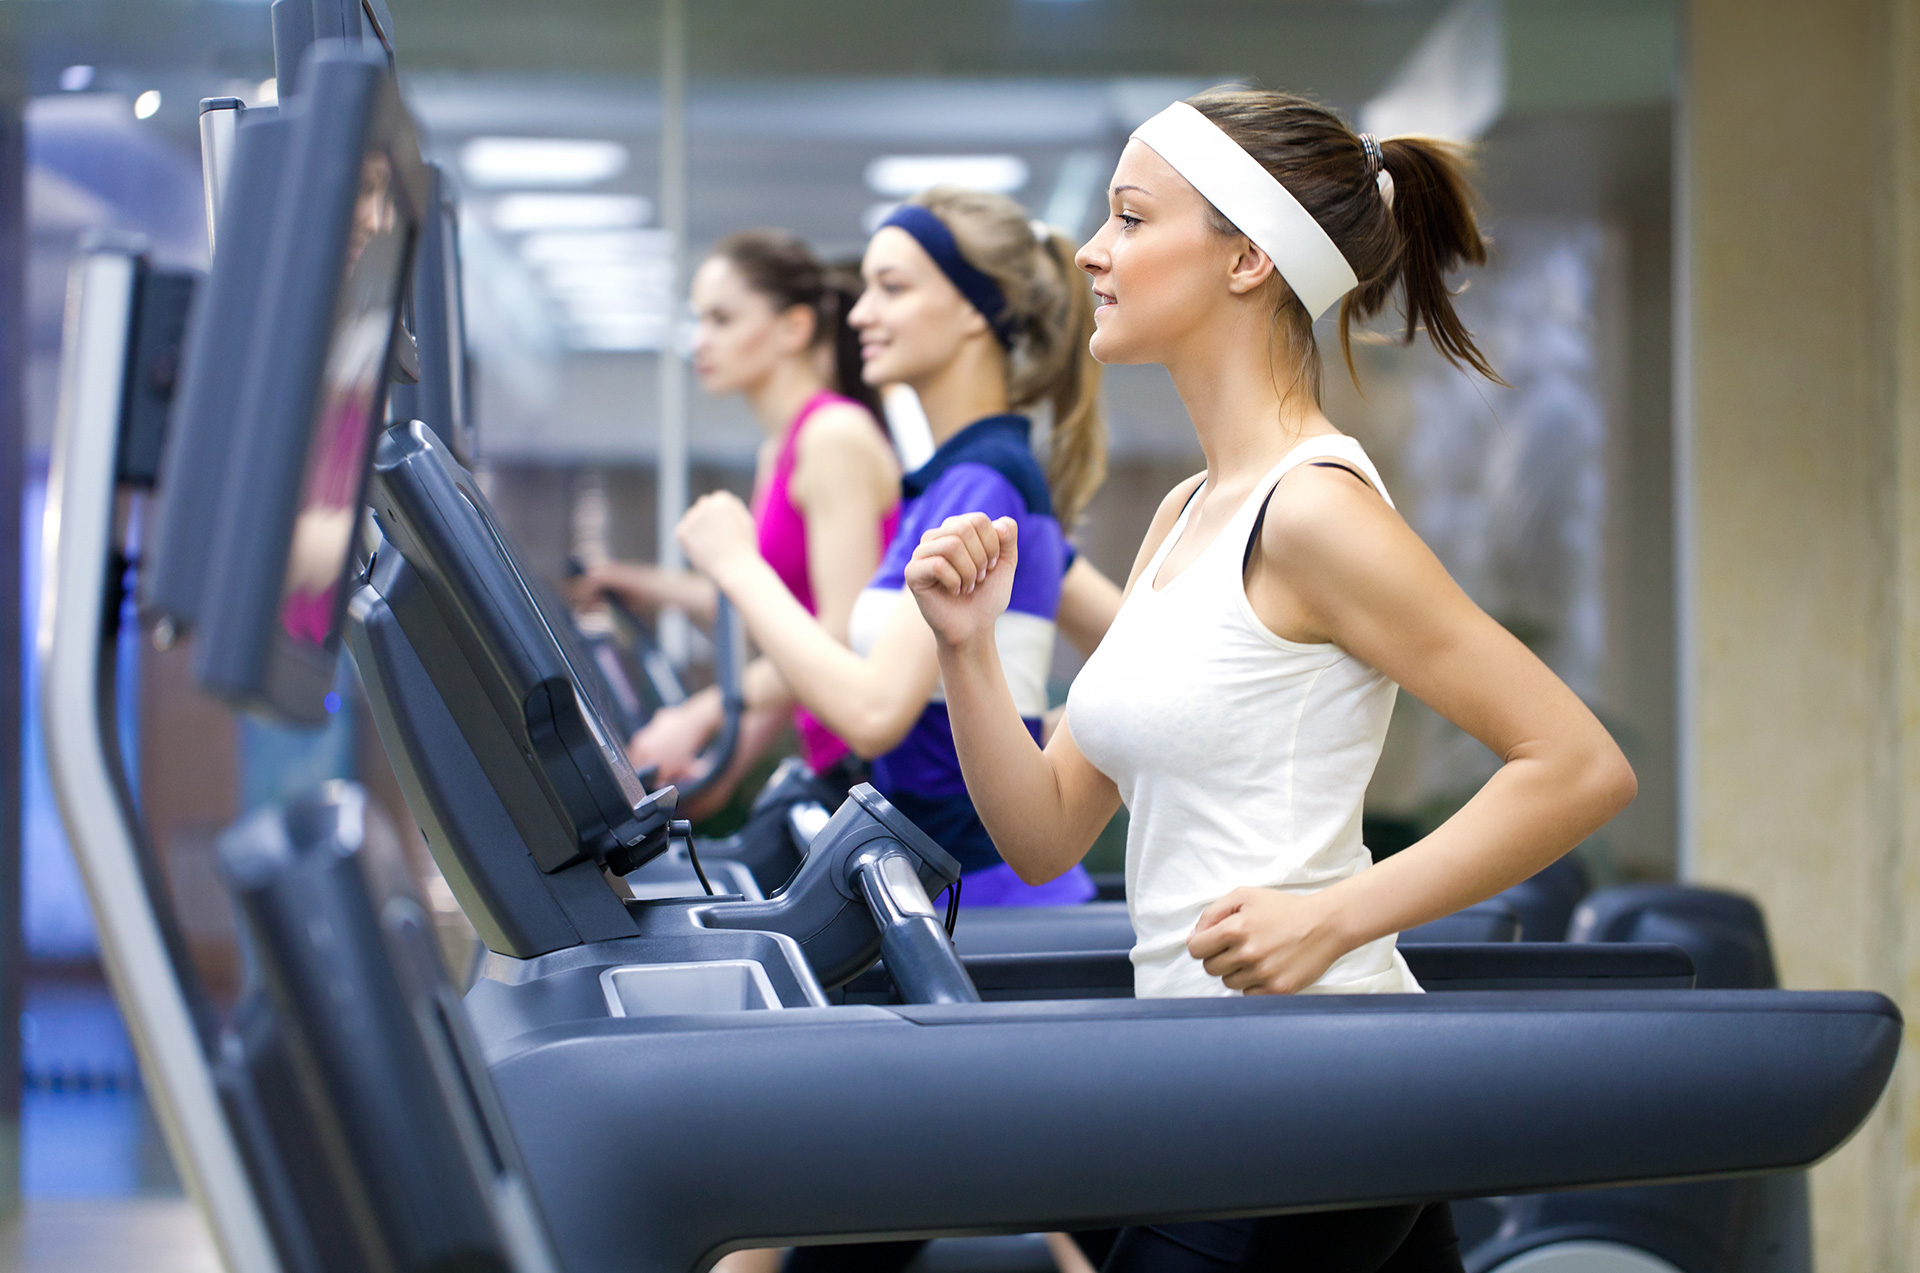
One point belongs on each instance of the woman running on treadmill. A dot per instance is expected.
(772, 327)
(983, 315)
(1238, 704)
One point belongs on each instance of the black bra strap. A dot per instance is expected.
(1260, 518)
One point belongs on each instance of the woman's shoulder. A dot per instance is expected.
(977, 486)
(842, 440)
(1161, 526)
(1328, 518)
(841, 422)
(1175, 501)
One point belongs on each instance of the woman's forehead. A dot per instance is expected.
(718, 275)
(1142, 170)
(892, 248)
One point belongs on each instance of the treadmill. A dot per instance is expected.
(670, 1075)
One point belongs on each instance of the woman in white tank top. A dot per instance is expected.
(1239, 701)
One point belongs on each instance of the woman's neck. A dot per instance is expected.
(777, 397)
(1234, 387)
(970, 386)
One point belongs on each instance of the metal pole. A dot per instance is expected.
(672, 461)
(13, 250)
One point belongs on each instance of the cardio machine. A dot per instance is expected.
(668, 1101)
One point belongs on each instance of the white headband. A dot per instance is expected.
(1259, 206)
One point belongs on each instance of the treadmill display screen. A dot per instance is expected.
(350, 396)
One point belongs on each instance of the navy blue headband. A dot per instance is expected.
(931, 233)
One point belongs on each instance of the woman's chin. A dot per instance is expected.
(1107, 348)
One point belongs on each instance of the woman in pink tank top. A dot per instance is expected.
(772, 328)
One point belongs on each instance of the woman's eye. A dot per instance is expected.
(1127, 219)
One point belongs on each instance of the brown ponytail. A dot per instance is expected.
(1428, 231)
(782, 268)
(842, 293)
(1077, 446)
(1050, 309)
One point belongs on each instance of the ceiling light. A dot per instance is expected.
(596, 247)
(76, 79)
(587, 276)
(268, 92)
(518, 213)
(541, 161)
(147, 105)
(901, 175)
(615, 334)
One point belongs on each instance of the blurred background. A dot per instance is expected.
(1696, 501)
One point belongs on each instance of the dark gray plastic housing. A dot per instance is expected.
(344, 222)
(220, 331)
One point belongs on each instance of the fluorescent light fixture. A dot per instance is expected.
(651, 279)
(76, 79)
(902, 175)
(519, 213)
(595, 247)
(147, 105)
(541, 161)
(268, 92)
(618, 334)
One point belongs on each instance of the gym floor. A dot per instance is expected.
(90, 1235)
(100, 1192)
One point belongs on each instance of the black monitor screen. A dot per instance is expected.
(350, 397)
(313, 395)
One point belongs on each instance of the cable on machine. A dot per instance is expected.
(684, 829)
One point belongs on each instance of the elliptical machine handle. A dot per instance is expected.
(914, 946)
(729, 665)
(661, 678)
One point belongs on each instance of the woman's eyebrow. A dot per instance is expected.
(1141, 189)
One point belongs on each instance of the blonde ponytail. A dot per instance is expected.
(1077, 448)
(1050, 314)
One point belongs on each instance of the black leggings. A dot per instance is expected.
(1374, 1240)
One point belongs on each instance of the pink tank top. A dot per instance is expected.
(783, 542)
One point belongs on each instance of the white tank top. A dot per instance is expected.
(1243, 758)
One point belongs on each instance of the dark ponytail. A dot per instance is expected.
(1438, 233)
(781, 267)
(1408, 231)
(843, 288)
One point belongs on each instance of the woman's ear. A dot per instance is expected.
(796, 325)
(973, 322)
(1250, 267)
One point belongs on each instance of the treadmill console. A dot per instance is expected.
(591, 805)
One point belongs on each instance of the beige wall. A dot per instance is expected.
(1801, 497)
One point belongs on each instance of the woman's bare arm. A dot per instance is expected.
(1043, 809)
(844, 481)
(648, 588)
(869, 702)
